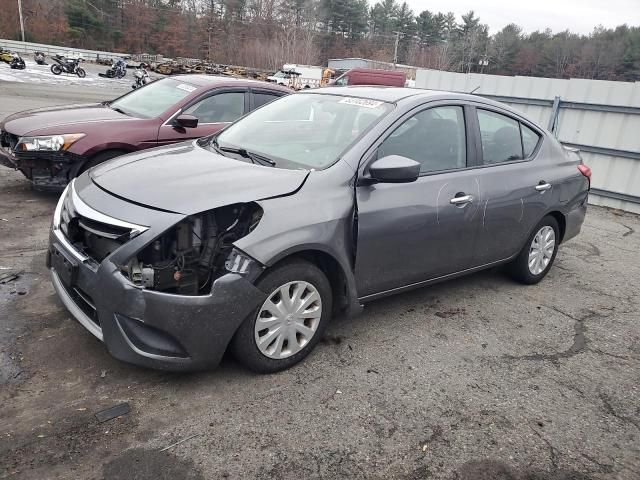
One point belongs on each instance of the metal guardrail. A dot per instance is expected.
(613, 152)
(541, 102)
(50, 50)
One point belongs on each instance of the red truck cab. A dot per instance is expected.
(367, 76)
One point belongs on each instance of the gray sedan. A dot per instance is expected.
(308, 207)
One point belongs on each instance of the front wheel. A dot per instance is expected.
(81, 73)
(289, 323)
(56, 69)
(536, 257)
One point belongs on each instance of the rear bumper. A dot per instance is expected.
(154, 329)
(575, 219)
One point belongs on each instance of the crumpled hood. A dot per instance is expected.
(41, 120)
(188, 179)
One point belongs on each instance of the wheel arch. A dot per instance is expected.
(339, 275)
(562, 222)
(80, 166)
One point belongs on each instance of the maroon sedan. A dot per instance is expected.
(53, 145)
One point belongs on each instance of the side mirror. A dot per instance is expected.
(187, 121)
(394, 169)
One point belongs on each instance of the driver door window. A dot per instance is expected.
(219, 108)
(435, 138)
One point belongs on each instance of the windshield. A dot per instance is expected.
(308, 131)
(153, 99)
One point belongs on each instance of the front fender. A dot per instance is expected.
(302, 223)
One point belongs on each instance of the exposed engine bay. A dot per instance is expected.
(187, 258)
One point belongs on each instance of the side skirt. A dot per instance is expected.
(412, 286)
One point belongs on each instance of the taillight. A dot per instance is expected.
(586, 171)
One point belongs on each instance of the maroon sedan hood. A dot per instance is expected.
(188, 179)
(43, 121)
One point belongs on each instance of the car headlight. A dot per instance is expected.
(48, 143)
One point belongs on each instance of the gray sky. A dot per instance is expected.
(579, 16)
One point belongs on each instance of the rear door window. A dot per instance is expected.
(262, 98)
(500, 138)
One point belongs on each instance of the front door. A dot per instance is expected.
(214, 112)
(412, 232)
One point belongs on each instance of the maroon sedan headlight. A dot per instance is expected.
(48, 143)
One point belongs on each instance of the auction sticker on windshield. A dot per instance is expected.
(186, 88)
(361, 102)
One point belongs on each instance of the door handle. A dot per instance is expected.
(543, 186)
(461, 200)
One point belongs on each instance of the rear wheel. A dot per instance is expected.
(536, 257)
(80, 72)
(56, 69)
(289, 323)
(110, 73)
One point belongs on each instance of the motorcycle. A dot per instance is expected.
(118, 69)
(5, 55)
(140, 76)
(67, 65)
(17, 62)
(39, 58)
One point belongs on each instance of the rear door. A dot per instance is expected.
(215, 110)
(412, 232)
(515, 182)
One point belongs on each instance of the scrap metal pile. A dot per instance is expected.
(181, 66)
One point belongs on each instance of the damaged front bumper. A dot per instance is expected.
(48, 171)
(7, 158)
(142, 326)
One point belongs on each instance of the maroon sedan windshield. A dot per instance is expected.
(153, 99)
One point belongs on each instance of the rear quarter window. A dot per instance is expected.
(530, 140)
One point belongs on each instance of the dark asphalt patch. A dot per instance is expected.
(143, 464)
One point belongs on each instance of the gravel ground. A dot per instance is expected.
(476, 378)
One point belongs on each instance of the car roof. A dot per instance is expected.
(202, 80)
(396, 94)
(382, 93)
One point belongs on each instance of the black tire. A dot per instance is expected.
(100, 158)
(80, 72)
(110, 73)
(519, 267)
(56, 69)
(244, 347)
